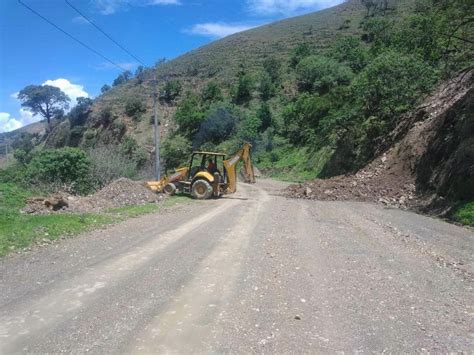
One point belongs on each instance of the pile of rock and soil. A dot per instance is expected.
(121, 192)
(430, 165)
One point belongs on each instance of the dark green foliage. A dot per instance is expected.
(265, 116)
(45, 100)
(22, 156)
(266, 87)
(250, 128)
(351, 52)
(122, 78)
(23, 141)
(219, 124)
(130, 148)
(69, 166)
(80, 113)
(189, 115)
(76, 135)
(176, 151)
(300, 52)
(243, 91)
(171, 90)
(302, 117)
(106, 116)
(105, 88)
(135, 108)
(391, 84)
(272, 67)
(321, 74)
(211, 92)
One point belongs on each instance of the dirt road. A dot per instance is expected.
(253, 272)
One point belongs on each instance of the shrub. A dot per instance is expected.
(22, 156)
(171, 90)
(69, 166)
(219, 125)
(265, 116)
(107, 164)
(189, 115)
(176, 151)
(211, 92)
(391, 84)
(349, 51)
(267, 88)
(134, 108)
(301, 51)
(321, 74)
(243, 91)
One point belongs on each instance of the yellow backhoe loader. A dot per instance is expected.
(203, 182)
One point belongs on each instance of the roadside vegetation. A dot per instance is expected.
(19, 230)
(465, 214)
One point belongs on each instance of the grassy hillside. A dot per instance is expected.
(317, 95)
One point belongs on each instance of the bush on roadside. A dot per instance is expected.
(65, 166)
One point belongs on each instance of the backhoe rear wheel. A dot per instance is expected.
(201, 190)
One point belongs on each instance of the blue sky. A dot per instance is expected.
(33, 52)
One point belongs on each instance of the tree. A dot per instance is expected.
(176, 151)
(122, 78)
(189, 115)
(105, 88)
(265, 116)
(267, 88)
(44, 100)
(298, 53)
(211, 92)
(243, 92)
(140, 74)
(171, 90)
(321, 74)
(79, 114)
(271, 65)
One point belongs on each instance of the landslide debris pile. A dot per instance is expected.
(431, 162)
(121, 192)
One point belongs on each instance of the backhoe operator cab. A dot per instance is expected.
(208, 175)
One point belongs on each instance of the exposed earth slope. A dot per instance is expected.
(431, 161)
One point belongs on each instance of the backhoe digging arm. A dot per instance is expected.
(231, 168)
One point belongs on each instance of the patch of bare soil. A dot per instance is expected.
(121, 192)
(398, 177)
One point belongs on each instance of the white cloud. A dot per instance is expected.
(108, 7)
(288, 7)
(9, 123)
(72, 90)
(217, 29)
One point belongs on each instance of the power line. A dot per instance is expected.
(71, 36)
(103, 32)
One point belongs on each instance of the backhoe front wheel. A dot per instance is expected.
(201, 190)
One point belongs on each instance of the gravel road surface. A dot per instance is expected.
(250, 273)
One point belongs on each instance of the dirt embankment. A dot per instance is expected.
(121, 192)
(430, 165)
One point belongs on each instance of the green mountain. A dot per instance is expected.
(318, 95)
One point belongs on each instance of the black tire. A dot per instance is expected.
(169, 189)
(201, 190)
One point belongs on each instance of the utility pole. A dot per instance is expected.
(157, 128)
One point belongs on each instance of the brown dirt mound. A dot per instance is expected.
(394, 177)
(121, 192)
